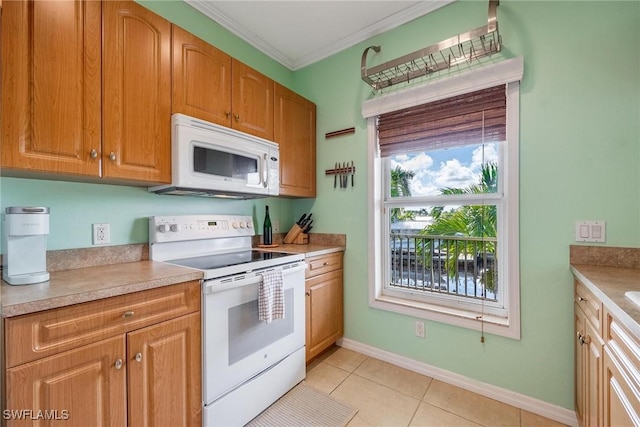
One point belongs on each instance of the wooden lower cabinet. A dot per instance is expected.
(607, 366)
(147, 374)
(621, 391)
(588, 357)
(622, 399)
(324, 305)
(164, 374)
(80, 387)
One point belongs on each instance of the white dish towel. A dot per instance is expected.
(271, 296)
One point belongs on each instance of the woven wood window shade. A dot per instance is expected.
(460, 120)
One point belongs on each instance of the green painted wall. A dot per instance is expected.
(579, 154)
(579, 157)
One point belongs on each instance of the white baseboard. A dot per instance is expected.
(539, 407)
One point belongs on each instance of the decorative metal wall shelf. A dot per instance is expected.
(463, 48)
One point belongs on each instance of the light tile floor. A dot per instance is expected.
(386, 395)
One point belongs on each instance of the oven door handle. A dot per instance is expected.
(219, 285)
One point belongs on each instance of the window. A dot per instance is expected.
(445, 202)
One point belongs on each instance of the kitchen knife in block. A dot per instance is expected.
(292, 234)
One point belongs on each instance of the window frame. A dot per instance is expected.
(507, 72)
(475, 306)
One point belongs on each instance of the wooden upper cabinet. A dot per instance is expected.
(295, 132)
(201, 79)
(251, 101)
(210, 85)
(136, 93)
(51, 86)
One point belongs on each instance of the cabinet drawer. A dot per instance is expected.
(625, 346)
(323, 263)
(591, 306)
(33, 336)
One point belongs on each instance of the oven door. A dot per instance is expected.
(239, 346)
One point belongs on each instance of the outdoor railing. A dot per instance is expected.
(457, 265)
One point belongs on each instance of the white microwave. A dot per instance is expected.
(215, 161)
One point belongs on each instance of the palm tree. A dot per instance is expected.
(400, 179)
(472, 221)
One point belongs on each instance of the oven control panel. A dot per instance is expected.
(195, 227)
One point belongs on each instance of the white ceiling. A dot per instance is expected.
(297, 33)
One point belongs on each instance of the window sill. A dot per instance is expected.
(451, 316)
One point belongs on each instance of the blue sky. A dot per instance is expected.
(454, 167)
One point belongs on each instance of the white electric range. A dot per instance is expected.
(247, 364)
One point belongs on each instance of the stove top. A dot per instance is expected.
(211, 262)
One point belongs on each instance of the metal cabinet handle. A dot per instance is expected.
(237, 117)
(138, 357)
(228, 114)
(118, 364)
(582, 340)
(326, 263)
(94, 153)
(307, 294)
(127, 314)
(112, 156)
(581, 299)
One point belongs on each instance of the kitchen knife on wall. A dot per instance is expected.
(353, 172)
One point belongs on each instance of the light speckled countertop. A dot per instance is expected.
(609, 273)
(91, 283)
(88, 274)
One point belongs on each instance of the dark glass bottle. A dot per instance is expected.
(267, 237)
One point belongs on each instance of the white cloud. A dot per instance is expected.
(453, 174)
(430, 177)
(481, 155)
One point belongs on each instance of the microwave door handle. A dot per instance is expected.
(265, 173)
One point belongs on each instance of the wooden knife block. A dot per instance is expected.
(296, 236)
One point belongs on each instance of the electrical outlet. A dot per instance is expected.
(275, 226)
(420, 328)
(101, 234)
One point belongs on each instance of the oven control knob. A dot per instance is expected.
(249, 224)
(241, 224)
(235, 225)
(174, 227)
(163, 228)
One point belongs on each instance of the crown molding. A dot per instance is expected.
(421, 8)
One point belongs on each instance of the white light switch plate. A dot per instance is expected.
(590, 231)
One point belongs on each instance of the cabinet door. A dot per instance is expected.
(201, 79)
(295, 132)
(81, 387)
(164, 363)
(137, 93)
(325, 312)
(51, 86)
(251, 101)
(580, 353)
(593, 369)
